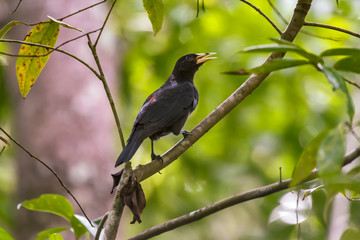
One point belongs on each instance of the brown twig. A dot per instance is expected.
(313, 24)
(47, 47)
(264, 15)
(101, 76)
(50, 169)
(101, 226)
(17, 6)
(103, 26)
(352, 83)
(81, 10)
(228, 202)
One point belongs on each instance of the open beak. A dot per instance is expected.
(204, 57)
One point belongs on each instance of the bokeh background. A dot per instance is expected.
(66, 119)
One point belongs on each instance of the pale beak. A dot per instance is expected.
(204, 57)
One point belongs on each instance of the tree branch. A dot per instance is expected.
(107, 91)
(229, 202)
(144, 171)
(103, 26)
(313, 24)
(263, 14)
(50, 169)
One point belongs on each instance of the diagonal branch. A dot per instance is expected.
(264, 15)
(313, 24)
(144, 171)
(229, 202)
(50, 169)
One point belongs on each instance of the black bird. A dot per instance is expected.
(166, 110)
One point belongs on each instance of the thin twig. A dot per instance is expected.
(81, 10)
(17, 6)
(263, 14)
(313, 24)
(50, 169)
(101, 76)
(302, 30)
(101, 226)
(352, 83)
(52, 48)
(229, 202)
(103, 26)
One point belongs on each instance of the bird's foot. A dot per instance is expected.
(156, 157)
(185, 133)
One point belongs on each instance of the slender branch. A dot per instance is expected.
(302, 30)
(229, 202)
(313, 24)
(352, 83)
(101, 226)
(103, 26)
(144, 171)
(17, 6)
(50, 169)
(263, 14)
(52, 48)
(107, 90)
(118, 205)
(81, 10)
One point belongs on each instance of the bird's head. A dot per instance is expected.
(188, 64)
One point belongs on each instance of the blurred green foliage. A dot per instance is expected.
(245, 150)
(269, 130)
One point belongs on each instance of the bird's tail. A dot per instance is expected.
(130, 149)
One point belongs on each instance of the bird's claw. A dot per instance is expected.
(185, 133)
(156, 157)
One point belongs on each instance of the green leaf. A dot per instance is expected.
(92, 230)
(78, 227)
(4, 235)
(55, 236)
(277, 65)
(331, 153)
(288, 47)
(349, 64)
(338, 83)
(7, 27)
(351, 234)
(64, 24)
(341, 52)
(46, 234)
(307, 161)
(51, 203)
(155, 12)
(29, 68)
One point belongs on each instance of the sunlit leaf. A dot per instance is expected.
(78, 227)
(55, 236)
(155, 12)
(349, 64)
(29, 68)
(331, 153)
(64, 24)
(338, 83)
(46, 234)
(341, 52)
(92, 230)
(51, 203)
(307, 161)
(8, 26)
(277, 65)
(4, 235)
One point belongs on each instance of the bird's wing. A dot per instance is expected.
(168, 104)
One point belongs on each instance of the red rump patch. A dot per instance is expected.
(152, 99)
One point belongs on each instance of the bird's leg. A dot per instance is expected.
(185, 133)
(153, 155)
